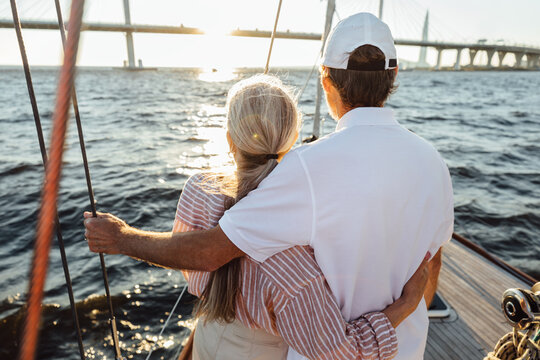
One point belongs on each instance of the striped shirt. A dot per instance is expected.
(287, 294)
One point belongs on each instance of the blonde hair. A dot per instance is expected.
(263, 123)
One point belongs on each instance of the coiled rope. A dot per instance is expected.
(516, 345)
(43, 150)
(112, 319)
(53, 168)
(272, 38)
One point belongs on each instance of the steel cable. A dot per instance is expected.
(112, 319)
(53, 169)
(167, 322)
(39, 129)
(272, 38)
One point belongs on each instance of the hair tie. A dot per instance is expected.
(260, 159)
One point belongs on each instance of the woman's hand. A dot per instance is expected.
(412, 294)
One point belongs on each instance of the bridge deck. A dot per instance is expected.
(473, 287)
(164, 29)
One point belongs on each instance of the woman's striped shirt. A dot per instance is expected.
(286, 295)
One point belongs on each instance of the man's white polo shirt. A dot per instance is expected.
(371, 199)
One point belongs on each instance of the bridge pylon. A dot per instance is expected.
(532, 61)
(422, 62)
(129, 36)
(457, 65)
(490, 54)
(519, 59)
(439, 58)
(472, 56)
(501, 55)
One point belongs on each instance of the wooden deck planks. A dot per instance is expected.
(473, 287)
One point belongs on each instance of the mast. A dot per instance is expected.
(381, 5)
(327, 26)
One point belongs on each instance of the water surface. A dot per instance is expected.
(147, 132)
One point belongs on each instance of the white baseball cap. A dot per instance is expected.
(355, 31)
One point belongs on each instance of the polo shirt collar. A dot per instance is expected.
(367, 116)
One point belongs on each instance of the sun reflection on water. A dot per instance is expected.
(217, 74)
(209, 149)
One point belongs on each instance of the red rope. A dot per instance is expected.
(47, 212)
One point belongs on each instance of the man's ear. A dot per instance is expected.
(326, 82)
(396, 69)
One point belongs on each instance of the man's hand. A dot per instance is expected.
(105, 233)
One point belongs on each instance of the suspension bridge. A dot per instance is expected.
(525, 57)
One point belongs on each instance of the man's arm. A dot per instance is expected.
(434, 269)
(205, 250)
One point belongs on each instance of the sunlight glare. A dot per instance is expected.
(219, 74)
(217, 147)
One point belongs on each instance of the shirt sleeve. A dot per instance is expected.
(279, 214)
(194, 213)
(446, 228)
(312, 325)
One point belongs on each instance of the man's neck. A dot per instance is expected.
(342, 110)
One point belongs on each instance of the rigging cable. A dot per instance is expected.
(53, 169)
(37, 120)
(112, 319)
(167, 322)
(301, 92)
(303, 89)
(272, 38)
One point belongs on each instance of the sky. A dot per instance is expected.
(458, 20)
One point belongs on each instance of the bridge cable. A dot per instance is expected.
(272, 38)
(42, 147)
(53, 168)
(112, 319)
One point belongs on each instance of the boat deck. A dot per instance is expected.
(473, 287)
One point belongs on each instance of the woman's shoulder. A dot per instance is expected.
(207, 182)
(204, 189)
(201, 203)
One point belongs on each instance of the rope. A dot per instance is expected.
(112, 319)
(53, 169)
(516, 345)
(167, 322)
(43, 150)
(272, 39)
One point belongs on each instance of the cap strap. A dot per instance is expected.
(371, 66)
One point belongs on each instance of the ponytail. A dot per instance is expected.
(263, 123)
